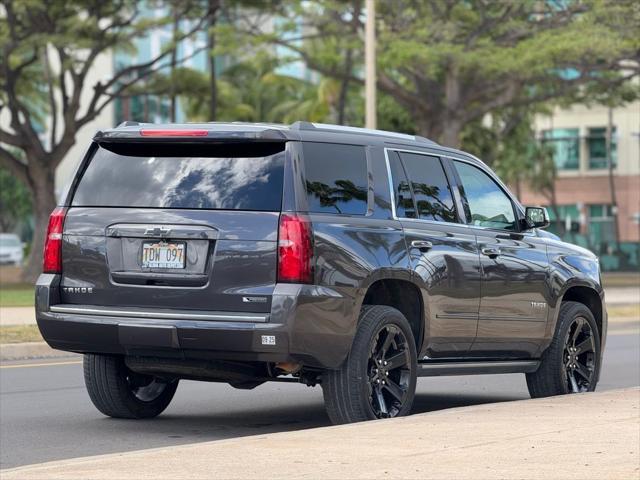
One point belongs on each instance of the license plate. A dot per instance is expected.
(163, 255)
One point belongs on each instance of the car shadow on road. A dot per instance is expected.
(431, 402)
(223, 424)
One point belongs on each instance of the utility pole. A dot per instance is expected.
(370, 66)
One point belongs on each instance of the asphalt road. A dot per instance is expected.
(46, 414)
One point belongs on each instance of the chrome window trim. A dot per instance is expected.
(390, 182)
(475, 163)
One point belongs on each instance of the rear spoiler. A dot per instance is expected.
(133, 132)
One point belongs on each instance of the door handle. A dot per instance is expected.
(422, 245)
(491, 252)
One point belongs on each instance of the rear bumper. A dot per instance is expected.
(307, 324)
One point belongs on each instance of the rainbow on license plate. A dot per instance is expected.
(162, 255)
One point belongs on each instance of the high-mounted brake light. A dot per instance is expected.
(52, 255)
(295, 249)
(173, 133)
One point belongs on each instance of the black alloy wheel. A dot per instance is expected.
(389, 371)
(571, 363)
(579, 356)
(118, 392)
(378, 378)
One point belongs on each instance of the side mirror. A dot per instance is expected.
(537, 217)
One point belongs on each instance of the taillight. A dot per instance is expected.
(52, 256)
(295, 249)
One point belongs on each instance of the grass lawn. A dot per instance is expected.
(16, 296)
(20, 333)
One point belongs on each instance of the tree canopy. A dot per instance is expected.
(449, 63)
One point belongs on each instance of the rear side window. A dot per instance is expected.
(430, 187)
(336, 178)
(156, 176)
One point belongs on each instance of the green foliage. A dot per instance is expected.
(251, 91)
(48, 57)
(507, 142)
(15, 201)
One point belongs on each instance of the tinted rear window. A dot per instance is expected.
(336, 178)
(430, 187)
(208, 178)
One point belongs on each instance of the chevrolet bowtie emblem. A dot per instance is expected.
(157, 232)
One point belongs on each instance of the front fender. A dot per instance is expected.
(570, 267)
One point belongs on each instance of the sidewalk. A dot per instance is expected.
(621, 295)
(17, 316)
(589, 436)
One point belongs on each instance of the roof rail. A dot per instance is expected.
(362, 131)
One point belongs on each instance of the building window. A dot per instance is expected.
(566, 147)
(569, 219)
(597, 147)
(601, 228)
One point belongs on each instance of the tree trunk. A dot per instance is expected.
(145, 109)
(452, 125)
(450, 136)
(559, 224)
(173, 109)
(612, 184)
(41, 185)
(344, 87)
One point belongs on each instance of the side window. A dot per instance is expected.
(401, 189)
(488, 205)
(430, 187)
(336, 178)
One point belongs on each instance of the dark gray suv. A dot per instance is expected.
(354, 259)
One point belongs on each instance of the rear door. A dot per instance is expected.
(444, 254)
(175, 226)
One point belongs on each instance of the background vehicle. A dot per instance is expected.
(350, 258)
(11, 249)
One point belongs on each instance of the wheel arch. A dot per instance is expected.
(583, 293)
(403, 295)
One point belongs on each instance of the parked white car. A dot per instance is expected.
(10, 249)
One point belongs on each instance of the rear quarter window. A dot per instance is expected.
(336, 178)
(204, 178)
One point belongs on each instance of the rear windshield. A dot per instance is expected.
(184, 176)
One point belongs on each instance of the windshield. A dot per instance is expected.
(9, 242)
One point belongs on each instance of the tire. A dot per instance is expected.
(118, 392)
(573, 355)
(356, 391)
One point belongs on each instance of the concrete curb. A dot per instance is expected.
(585, 436)
(30, 350)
